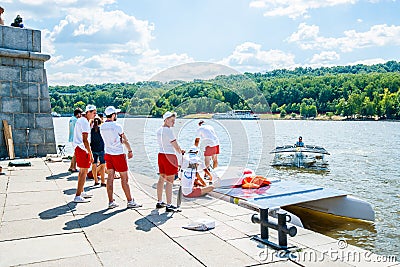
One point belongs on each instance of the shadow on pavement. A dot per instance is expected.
(152, 220)
(91, 219)
(57, 211)
(72, 191)
(58, 176)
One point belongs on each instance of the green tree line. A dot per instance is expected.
(359, 91)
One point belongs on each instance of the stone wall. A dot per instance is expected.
(24, 94)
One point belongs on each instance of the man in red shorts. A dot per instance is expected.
(114, 139)
(167, 161)
(210, 141)
(83, 154)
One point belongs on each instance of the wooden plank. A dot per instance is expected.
(8, 137)
(11, 149)
(6, 129)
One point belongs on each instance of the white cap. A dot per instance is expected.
(193, 149)
(111, 110)
(90, 108)
(168, 114)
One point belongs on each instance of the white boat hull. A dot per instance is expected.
(344, 206)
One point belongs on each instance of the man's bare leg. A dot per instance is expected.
(125, 185)
(72, 165)
(215, 161)
(94, 172)
(160, 187)
(168, 188)
(110, 185)
(101, 169)
(81, 180)
(206, 189)
(207, 160)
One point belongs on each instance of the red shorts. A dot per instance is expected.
(117, 163)
(82, 158)
(167, 164)
(211, 150)
(195, 193)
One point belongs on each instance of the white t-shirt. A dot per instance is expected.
(111, 133)
(165, 136)
(81, 126)
(207, 135)
(188, 174)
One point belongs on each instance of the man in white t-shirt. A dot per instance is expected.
(192, 184)
(83, 153)
(167, 161)
(211, 142)
(114, 139)
(71, 126)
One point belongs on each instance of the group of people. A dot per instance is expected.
(94, 140)
(192, 183)
(105, 143)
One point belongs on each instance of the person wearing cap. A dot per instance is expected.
(71, 125)
(83, 153)
(192, 184)
(167, 161)
(211, 142)
(300, 142)
(114, 139)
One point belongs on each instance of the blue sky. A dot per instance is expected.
(100, 41)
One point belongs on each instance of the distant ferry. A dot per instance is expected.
(236, 115)
(55, 114)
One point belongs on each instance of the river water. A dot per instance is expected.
(364, 161)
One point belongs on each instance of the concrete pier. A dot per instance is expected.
(41, 226)
(24, 94)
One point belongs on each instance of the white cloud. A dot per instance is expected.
(307, 37)
(325, 57)
(110, 68)
(294, 8)
(371, 61)
(250, 57)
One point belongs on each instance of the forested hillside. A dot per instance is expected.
(351, 91)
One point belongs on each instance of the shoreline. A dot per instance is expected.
(262, 117)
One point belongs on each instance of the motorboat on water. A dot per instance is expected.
(291, 196)
(236, 115)
(307, 156)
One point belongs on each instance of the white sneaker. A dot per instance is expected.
(133, 204)
(112, 205)
(86, 195)
(79, 199)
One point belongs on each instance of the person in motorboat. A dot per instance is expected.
(300, 142)
(192, 183)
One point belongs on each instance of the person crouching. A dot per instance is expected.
(192, 183)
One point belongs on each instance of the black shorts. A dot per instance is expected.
(100, 156)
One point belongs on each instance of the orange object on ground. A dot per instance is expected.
(254, 182)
